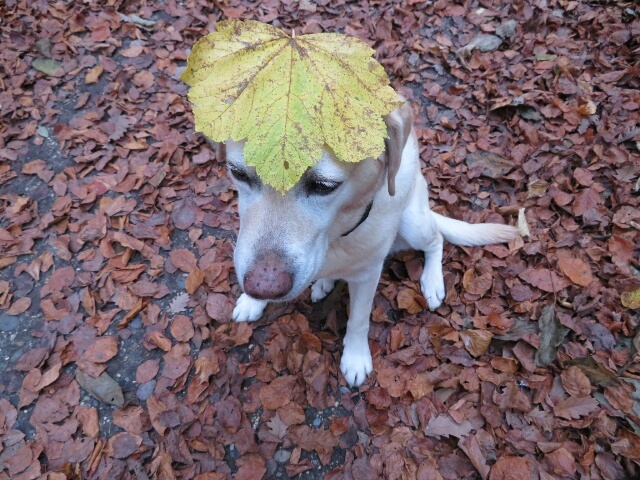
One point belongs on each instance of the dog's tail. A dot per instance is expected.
(472, 235)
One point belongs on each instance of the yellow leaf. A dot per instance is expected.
(288, 96)
(631, 299)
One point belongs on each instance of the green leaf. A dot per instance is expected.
(48, 67)
(288, 96)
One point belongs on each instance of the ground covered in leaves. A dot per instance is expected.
(117, 356)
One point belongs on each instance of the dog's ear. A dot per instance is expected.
(399, 125)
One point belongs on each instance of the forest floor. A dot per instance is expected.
(117, 225)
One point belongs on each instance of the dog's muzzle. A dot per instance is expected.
(268, 278)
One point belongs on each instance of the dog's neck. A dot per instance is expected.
(365, 215)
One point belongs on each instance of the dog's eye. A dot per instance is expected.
(240, 175)
(324, 187)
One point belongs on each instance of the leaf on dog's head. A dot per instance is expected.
(288, 96)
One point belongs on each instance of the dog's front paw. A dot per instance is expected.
(321, 289)
(248, 309)
(432, 284)
(356, 362)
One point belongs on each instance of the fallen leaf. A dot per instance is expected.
(194, 280)
(47, 66)
(544, 279)
(631, 299)
(476, 341)
(489, 164)
(577, 271)
(511, 468)
(573, 408)
(575, 382)
(411, 301)
(444, 426)
(102, 350)
(179, 304)
(21, 305)
(93, 75)
(104, 388)
(551, 335)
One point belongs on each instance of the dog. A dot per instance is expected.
(340, 221)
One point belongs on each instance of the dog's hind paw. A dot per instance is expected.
(432, 284)
(248, 309)
(321, 289)
(356, 363)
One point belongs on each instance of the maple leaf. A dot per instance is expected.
(179, 304)
(277, 427)
(288, 96)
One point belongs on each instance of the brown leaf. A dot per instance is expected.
(511, 468)
(544, 279)
(123, 444)
(181, 328)
(411, 301)
(476, 341)
(147, 370)
(252, 467)
(133, 419)
(93, 75)
(562, 462)
(575, 407)
(551, 335)
(102, 350)
(310, 439)
(480, 285)
(19, 461)
(21, 305)
(184, 211)
(420, 386)
(585, 201)
(578, 271)
(278, 393)
(194, 280)
(619, 398)
(489, 164)
(473, 448)
(88, 418)
(218, 307)
(444, 426)
(160, 340)
(575, 382)
(183, 259)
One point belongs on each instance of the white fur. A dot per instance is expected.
(309, 231)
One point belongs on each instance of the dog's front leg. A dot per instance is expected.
(356, 361)
(248, 309)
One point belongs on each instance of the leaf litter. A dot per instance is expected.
(114, 213)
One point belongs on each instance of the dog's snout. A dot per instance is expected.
(268, 278)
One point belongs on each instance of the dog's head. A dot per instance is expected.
(283, 239)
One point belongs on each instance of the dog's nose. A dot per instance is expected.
(268, 279)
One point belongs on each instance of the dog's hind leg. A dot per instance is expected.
(356, 361)
(321, 288)
(419, 230)
(248, 309)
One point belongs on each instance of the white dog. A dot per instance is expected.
(340, 222)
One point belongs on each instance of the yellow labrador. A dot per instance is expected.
(340, 221)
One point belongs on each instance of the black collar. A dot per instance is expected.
(365, 215)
